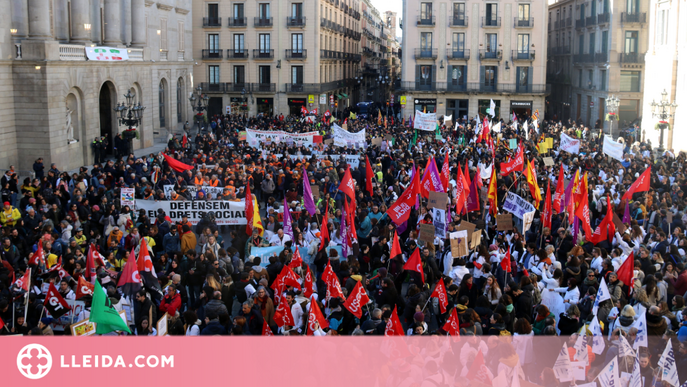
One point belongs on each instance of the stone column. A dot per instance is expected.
(39, 19)
(81, 14)
(112, 16)
(138, 23)
(20, 19)
(126, 22)
(61, 13)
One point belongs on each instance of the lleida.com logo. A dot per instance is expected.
(34, 361)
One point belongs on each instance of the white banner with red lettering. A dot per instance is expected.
(256, 137)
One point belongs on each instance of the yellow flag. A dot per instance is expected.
(257, 222)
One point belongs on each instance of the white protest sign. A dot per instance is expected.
(345, 138)
(127, 197)
(439, 219)
(613, 149)
(255, 137)
(425, 121)
(569, 144)
(517, 205)
(193, 190)
(225, 212)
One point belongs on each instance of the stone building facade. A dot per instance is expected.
(51, 90)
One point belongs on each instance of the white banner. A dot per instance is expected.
(613, 149)
(107, 54)
(352, 160)
(569, 144)
(225, 212)
(425, 121)
(345, 138)
(255, 137)
(193, 190)
(517, 205)
(126, 197)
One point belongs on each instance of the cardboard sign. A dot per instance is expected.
(162, 325)
(619, 226)
(543, 148)
(427, 233)
(437, 200)
(242, 135)
(315, 191)
(669, 217)
(388, 137)
(476, 239)
(459, 243)
(548, 161)
(377, 141)
(467, 226)
(504, 222)
(549, 142)
(329, 141)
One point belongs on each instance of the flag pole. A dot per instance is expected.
(26, 303)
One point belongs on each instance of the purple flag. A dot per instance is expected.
(567, 196)
(626, 215)
(307, 195)
(434, 175)
(288, 228)
(576, 229)
(344, 235)
(402, 227)
(417, 198)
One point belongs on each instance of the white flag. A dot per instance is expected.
(609, 375)
(492, 108)
(598, 343)
(536, 125)
(668, 366)
(497, 128)
(562, 366)
(486, 172)
(636, 378)
(581, 351)
(525, 127)
(448, 119)
(601, 295)
(642, 339)
(625, 349)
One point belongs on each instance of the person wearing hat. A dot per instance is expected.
(44, 326)
(9, 215)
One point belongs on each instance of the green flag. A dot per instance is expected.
(414, 138)
(105, 316)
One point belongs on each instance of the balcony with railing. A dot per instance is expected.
(631, 57)
(634, 17)
(583, 58)
(296, 54)
(556, 24)
(524, 89)
(493, 22)
(298, 22)
(305, 88)
(263, 54)
(455, 21)
(525, 23)
(560, 50)
(603, 18)
(212, 22)
(237, 54)
(215, 53)
(237, 22)
(590, 21)
(214, 87)
(456, 86)
(426, 53)
(522, 55)
(422, 85)
(263, 87)
(490, 54)
(367, 51)
(458, 55)
(568, 22)
(483, 87)
(260, 22)
(427, 21)
(579, 23)
(601, 57)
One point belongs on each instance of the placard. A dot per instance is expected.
(513, 143)
(548, 161)
(315, 191)
(427, 233)
(377, 141)
(242, 135)
(504, 222)
(543, 148)
(437, 200)
(439, 217)
(459, 243)
(467, 226)
(162, 325)
(476, 239)
(329, 141)
(83, 328)
(669, 217)
(549, 142)
(619, 225)
(127, 197)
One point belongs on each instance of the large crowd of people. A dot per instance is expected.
(540, 278)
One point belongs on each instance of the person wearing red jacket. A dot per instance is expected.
(171, 302)
(679, 283)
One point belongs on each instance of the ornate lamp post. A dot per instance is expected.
(199, 102)
(663, 111)
(130, 115)
(612, 104)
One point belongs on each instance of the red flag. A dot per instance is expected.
(479, 371)
(37, 257)
(2, 323)
(440, 293)
(466, 176)
(266, 331)
(332, 281)
(428, 183)
(546, 214)
(308, 283)
(446, 171)
(415, 264)
(184, 140)
(144, 261)
(356, 300)
(609, 218)
(23, 282)
(400, 210)
(55, 303)
(517, 163)
(462, 191)
(289, 278)
(369, 175)
(640, 185)
(582, 212)
(130, 279)
(472, 203)
(347, 185)
(452, 325)
(296, 260)
(249, 210)
(393, 326)
(176, 164)
(283, 316)
(478, 178)
(395, 247)
(505, 262)
(324, 231)
(626, 271)
(560, 191)
(84, 288)
(90, 264)
(315, 315)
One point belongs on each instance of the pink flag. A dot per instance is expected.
(288, 228)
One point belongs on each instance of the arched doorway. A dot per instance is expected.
(162, 96)
(108, 125)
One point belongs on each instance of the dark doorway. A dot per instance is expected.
(215, 107)
(106, 114)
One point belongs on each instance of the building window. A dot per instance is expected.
(490, 76)
(264, 10)
(523, 44)
(239, 43)
(580, 48)
(426, 11)
(297, 43)
(458, 44)
(579, 78)
(239, 76)
(662, 26)
(213, 74)
(604, 42)
(491, 14)
(264, 74)
(297, 75)
(632, 6)
(492, 42)
(213, 43)
(629, 81)
(590, 78)
(213, 14)
(631, 40)
(161, 100)
(426, 41)
(238, 11)
(264, 41)
(524, 12)
(459, 14)
(602, 85)
(592, 42)
(297, 10)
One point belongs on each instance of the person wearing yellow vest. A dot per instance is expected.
(9, 215)
(80, 238)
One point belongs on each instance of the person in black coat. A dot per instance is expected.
(38, 168)
(468, 289)
(388, 295)
(569, 321)
(254, 320)
(522, 300)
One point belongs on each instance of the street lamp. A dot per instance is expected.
(199, 103)
(663, 111)
(612, 104)
(130, 115)
(383, 81)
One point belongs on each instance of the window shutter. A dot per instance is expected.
(417, 75)
(181, 36)
(434, 74)
(529, 76)
(481, 75)
(163, 34)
